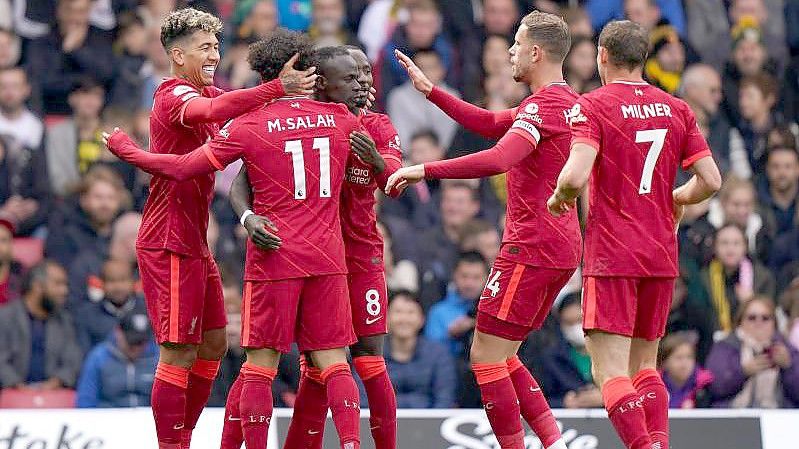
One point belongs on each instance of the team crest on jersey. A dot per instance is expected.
(224, 132)
(531, 108)
(574, 115)
(395, 143)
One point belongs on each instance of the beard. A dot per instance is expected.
(49, 305)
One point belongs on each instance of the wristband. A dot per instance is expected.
(244, 216)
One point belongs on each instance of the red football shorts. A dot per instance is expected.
(517, 298)
(313, 311)
(369, 303)
(634, 307)
(183, 295)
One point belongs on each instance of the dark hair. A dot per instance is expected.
(783, 132)
(733, 226)
(626, 42)
(426, 133)
(475, 227)
(550, 32)
(782, 148)
(184, 22)
(321, 56)
(460, 184)
(405, 293)
(673, 341)
(86, 84)
(129, 19)
(765, 83)
(471, 257)
(268, 56)
(37, 273)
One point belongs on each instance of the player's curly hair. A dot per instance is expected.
(268, 56)
(184, 22)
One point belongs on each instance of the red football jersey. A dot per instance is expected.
(641, 134)
(533, 236)
(362, 241)
(296, 152)
(176, 213)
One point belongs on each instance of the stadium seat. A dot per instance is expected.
(28, 251)
(13, 398)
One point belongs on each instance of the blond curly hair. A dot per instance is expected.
(183, 22)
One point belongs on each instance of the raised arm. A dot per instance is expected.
(236, 102)
(490, 124)
(177, 167)
(509, 151)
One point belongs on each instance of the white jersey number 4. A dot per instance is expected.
(657, 137)
(294, 147)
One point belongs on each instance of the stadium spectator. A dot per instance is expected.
(695, 234)
(95, 320)
(72, 51)
(10, 270)
(645, 13)
(482, 237)
(437, 247)
(73, 145)
(255, 19)
(10, 48)
(737, 204)
(422, 371)
(580, 65)
(732, 278)
(689, 309)
(603, 11)
(400, 274)
(700, 87)
(579, 23)
(566, 367)
(685, 380)
(411, 112)
(130, 59)
(708, 31)
(24, 187)
(86, 224)
(770, 16)
(749, 57)
(156, 69)
(754, 367)
(234, 357)
(327, 24)
(667, 57)
(119, 371)
(448, 319)
(378, 22)
(16, 119)
(757, 97)
(789, 301)
(39, 347)
(495, 55)
(421, 32)
(779, 197)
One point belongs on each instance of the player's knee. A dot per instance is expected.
(178, 354)
(214, 345)
(368, 346)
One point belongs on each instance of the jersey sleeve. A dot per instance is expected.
(584, 125)
(389, 145)
(694, 145)
(228, 145)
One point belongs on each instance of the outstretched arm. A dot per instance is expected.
(490, 124)
(177, 167)
(236, 102)
(509, 151)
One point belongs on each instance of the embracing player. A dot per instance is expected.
(378, 156)
(179, 276)
(295, 150)
(634, 136)
(539, 253)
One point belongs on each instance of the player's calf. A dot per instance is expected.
(201, 378)
(168, 399)
(653, 393)
(534, 406)
(367, 357)
(342, 394)
(256, 395)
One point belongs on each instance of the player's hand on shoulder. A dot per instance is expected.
(364, 147)
(262, 232)
(404, 177)
(420, 81)
(297, 82)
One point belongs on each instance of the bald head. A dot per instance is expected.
(701, 87)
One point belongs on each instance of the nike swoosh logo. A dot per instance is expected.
(534, 389)
(231, 418)
(313, 432)
(372, 320)
(484, 297)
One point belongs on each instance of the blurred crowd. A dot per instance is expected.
(72, 314)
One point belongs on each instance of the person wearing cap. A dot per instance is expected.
(119, 371)
(10, 270)
(666, 58)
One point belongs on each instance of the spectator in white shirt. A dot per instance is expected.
(16, 119)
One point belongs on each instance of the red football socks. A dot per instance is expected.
(256, 404)
(232, 431)
(201, 379)
(655, 397)
(306, 429)
(500, 403)
(169, 404)
(626, 412)
(382, 400)
(534, 406)
(342, 397)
